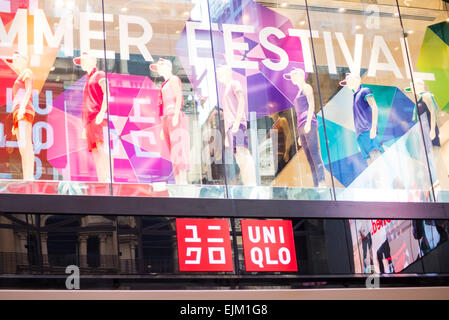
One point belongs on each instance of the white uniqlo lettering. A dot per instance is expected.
(197, 259)
(194, 233)
(281, 235)
(257, 256)
(214, 240)
(253, 239)
(269, 235)
(221, 252)
(284, 251)
(267, 254)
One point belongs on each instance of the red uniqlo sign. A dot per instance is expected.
(268, 245)
(204, 245)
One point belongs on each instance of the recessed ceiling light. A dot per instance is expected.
(357, 27)
(186, 13)
(284, 4)
(341, 10)
(124, 9)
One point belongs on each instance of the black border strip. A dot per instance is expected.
(245, 208)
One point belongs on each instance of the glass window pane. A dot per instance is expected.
(376, 148)
(273, 137)
(163, 123)
(427, 47)
(52, 145)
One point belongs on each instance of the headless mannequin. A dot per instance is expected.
(354, 84)
(427, 98)
(314, 158)
(23, 132)
(165, 71)
(243, 157)
(88, 63)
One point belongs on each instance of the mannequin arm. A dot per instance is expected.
(431, 106)
(104, 104)
(375, 112)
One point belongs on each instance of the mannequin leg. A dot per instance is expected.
(305, 144)
(25, 141)
(373, 155)
(178, 143)
(370, 250)
(380, 178)
(440, 168)
(101, 162)
(246, 164)
(314, 149)
(181, 177)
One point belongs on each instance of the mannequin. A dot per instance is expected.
(23, 111)
(427, 105)
(175, 130)
(94, 110)
(365, 118)
(235, 124)
(307, 125)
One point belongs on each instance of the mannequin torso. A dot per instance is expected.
(424, 99)
(168, 95)
(230, 104)
(301, 104)
(93, 95)
(362, 110)
(18, 91)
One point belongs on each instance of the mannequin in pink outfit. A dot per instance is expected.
(23, 111)
(174, 131)
(235, 120)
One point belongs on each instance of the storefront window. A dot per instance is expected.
(426, 31)
(236, 99)
(54, 94)
(374, 144)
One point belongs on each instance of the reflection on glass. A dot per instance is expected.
(373, 140)
(426, 45)
(147, 245)
(248, 93)
(394, 246)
